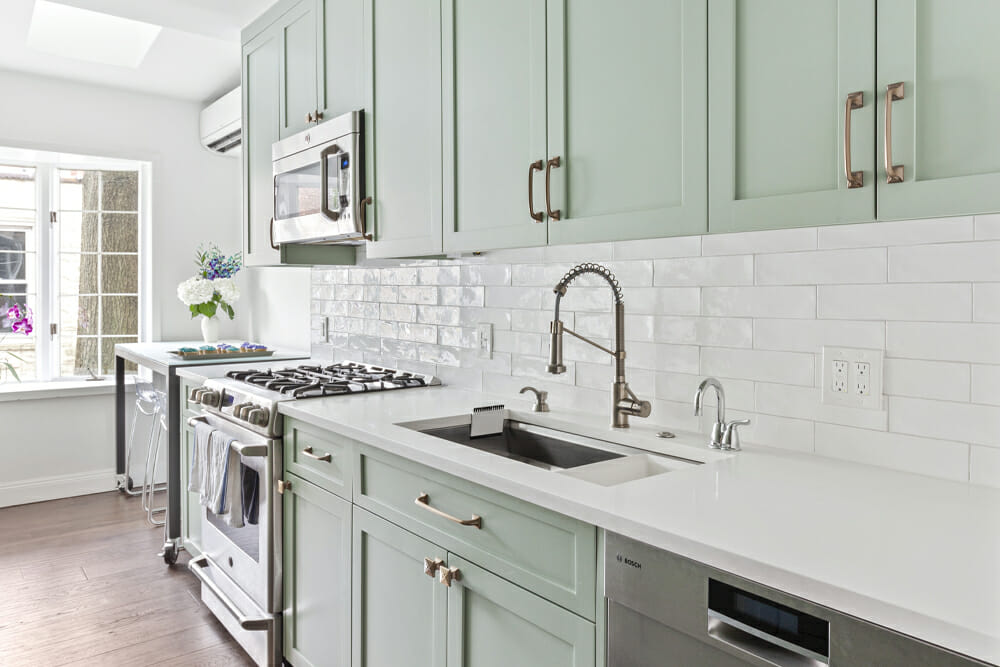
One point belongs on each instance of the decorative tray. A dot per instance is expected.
(216, 353)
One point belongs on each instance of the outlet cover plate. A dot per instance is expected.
(484, 340)
(839, 389)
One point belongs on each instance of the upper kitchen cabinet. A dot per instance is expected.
(341, 37)
(494, 124)
(791, 112)
(627, 116)
(403, 127)
(299, 82)
(261, 82)
(938, 96)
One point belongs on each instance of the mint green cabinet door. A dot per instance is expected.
(780, 73)
(403, 127)
(627, 116)
(261, 82)
(494, 120)
(340, 38)
(190, 502)
(399, 611)
(298, 68)
(494, 623)
(317, 576)
(946, 127)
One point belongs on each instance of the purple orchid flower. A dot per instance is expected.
(22, 319)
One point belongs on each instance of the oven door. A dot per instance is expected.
(250, 556)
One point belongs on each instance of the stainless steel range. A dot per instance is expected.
(240, 568)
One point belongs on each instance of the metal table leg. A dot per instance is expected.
(122, 481)
(172, 537)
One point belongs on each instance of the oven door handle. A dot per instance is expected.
(241, 448)
(196, 565)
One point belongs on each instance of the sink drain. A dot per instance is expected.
(665, 434)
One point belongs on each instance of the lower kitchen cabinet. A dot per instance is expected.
(494, 623)
(317, 576)
(399, 608)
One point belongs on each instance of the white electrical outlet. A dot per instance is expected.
(484, 340)
(852, 377)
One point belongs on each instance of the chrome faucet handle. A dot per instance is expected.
(731, 436)
(540, 396)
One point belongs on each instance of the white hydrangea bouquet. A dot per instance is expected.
(212, 288)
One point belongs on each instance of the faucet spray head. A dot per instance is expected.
(556, 365)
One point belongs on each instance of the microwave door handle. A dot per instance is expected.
(324, 175)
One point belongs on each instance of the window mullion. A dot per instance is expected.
(45, 345)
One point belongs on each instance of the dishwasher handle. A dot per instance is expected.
(197, 565)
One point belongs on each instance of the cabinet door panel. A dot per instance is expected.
(190, 502)
(298, 68)
(317, 584)
(404, 127)
(494, 623)
(946, 128)
(627, 117)
(399, 612)
(780, 72)
(261, 82)
(339, 41)
(494, 73)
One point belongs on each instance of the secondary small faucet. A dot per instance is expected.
(724, 435)
(623, 402)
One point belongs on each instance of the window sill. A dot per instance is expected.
(31, 391)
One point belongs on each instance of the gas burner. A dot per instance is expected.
(346, 377)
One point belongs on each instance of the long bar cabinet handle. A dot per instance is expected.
(423, 500)
(537, 165)
(308, 451)
(271, 232)
(855, 179)
(554, 162)
(893, 172)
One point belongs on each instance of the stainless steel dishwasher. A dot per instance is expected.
(665, 611)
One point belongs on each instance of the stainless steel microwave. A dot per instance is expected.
(319, 184)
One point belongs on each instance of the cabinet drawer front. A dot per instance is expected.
(547, 553)
(318, 456)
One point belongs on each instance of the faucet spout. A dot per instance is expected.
(719, 428)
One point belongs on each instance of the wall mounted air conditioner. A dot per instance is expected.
(220, 124)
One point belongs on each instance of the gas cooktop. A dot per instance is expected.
(316, 380)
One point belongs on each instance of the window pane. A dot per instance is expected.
(108, 353)
(79, 354)
(119, 232)
(17, 187)
(15, 348)
(119, 191)
(119, 274)
(119, 315)
(17, 267)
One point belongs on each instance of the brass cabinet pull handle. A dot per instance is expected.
(271, 234)
(309, 117)
(855, 179)
(538, 165)
(893, 172)
(554, 162)
(284, 486)
(308, 451)
(449, 574)
(424, 501)
(432, 565)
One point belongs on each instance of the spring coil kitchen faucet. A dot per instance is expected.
(623, 402)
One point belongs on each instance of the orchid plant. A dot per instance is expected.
(212, 287)
(21, 321)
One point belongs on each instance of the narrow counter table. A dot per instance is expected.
(157, 358)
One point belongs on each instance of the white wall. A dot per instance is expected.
(277, 301)
(195, 194)
(752, 309)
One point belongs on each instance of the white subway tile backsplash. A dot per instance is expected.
(842, 267)
(948, 262)
(753, 308)
(950, 302)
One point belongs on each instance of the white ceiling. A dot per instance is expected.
(196, 56)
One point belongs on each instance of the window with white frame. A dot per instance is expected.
(71, 248)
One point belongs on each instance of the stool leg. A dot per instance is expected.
(131, 490)
(154, 454)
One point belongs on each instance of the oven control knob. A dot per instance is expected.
(210, 398)
(259, 417)
(195, 393)
(247, 411)
(241, 410)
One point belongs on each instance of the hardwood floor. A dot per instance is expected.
(80, 584)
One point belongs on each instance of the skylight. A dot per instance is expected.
(96, 37)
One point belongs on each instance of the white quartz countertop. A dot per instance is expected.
(911, 553)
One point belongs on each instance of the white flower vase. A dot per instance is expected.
(210, 329)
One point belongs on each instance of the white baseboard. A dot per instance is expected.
(57, 486)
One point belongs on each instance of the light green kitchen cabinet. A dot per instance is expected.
(261, 85)
(399, 607)
(403, 127)
(494, 123)
(298, 100)
(945, 124)
(317, 576)
(190, 502)
(494, 623)
(341, 72)
(783, 78)
(627, 116)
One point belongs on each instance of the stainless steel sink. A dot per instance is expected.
(534, 445)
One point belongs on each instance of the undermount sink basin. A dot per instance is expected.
(529, 444)
(627, 469)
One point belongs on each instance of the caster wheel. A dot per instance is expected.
(169, 555)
